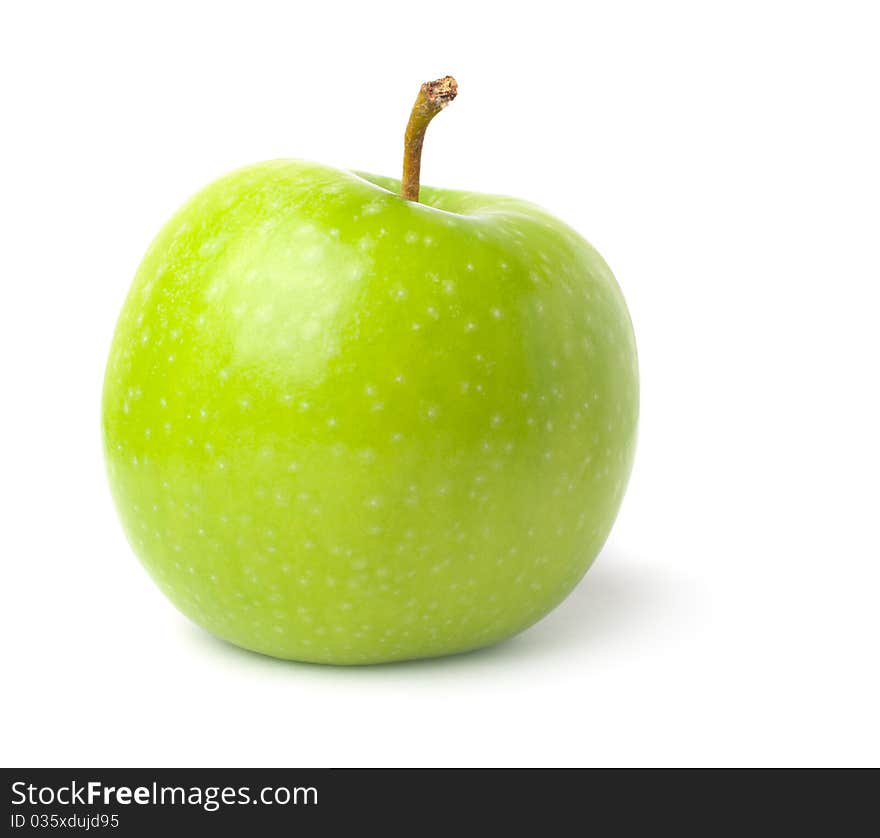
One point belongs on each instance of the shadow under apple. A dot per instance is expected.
(616, 596)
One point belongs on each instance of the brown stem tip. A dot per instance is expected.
(433, 97)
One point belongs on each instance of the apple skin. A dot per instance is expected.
(342, 427)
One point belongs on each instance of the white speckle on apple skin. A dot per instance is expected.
(299, 357)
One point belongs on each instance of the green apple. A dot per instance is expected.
(346, 426)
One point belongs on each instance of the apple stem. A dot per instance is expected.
(433, 97)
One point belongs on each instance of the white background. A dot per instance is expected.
(722, 157)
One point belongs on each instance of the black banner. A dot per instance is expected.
(123, 802)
